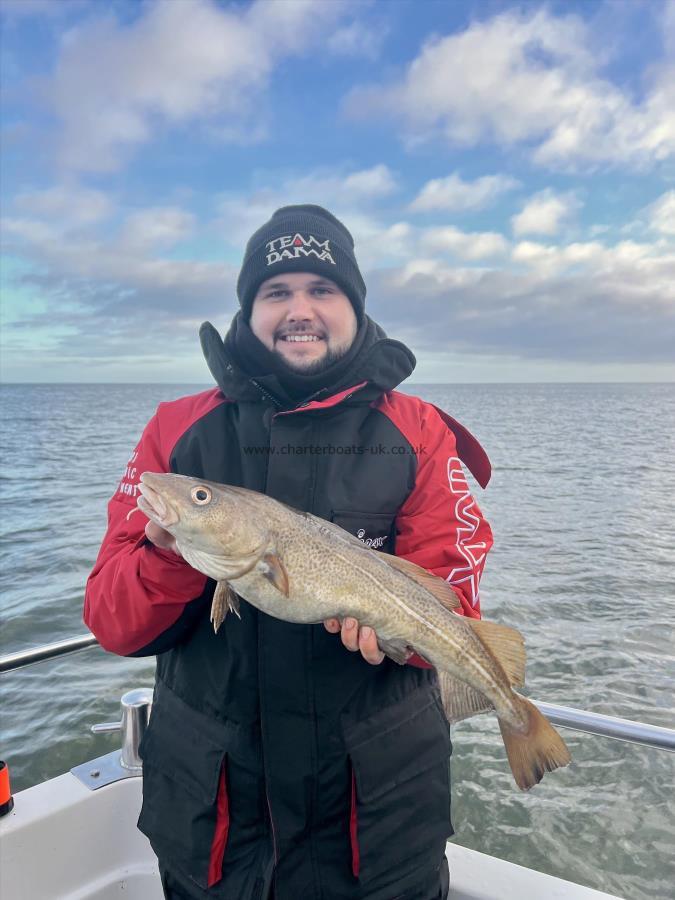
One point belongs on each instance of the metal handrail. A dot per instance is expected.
(576, 719)
(609, 726)
(21, 658)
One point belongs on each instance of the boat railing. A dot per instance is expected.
(21, 658)
(564, 716)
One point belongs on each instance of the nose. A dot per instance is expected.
(300, 307)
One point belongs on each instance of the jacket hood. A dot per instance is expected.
(382, 362)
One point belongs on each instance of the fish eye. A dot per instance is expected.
(201, 495)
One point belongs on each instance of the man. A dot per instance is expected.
(277, 763)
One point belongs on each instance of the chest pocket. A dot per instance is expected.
(375, 530)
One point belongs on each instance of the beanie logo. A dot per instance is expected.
(295, 246)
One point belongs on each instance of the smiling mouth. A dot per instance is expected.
(300, 338)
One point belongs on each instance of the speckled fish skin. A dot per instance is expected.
(236, 535)
(330, 574)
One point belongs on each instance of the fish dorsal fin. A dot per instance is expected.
(506, 645)
(435, 585)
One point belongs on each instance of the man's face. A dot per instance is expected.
(305, 318)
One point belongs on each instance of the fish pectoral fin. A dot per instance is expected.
(224, 600)
(435, 585)
(506, 645)
(460, 700)
(274, 570)
(396, 650)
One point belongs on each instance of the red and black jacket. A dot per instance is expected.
(270, 737)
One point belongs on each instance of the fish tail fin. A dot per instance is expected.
(535, 749)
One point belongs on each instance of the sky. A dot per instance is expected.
(507, 171)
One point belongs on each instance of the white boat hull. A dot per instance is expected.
(63, 841)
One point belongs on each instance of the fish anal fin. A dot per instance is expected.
(224, 600)
(460, 700)
(396, 650)
(506, 645)
(275, 571)
(534, 750)
(435, 585)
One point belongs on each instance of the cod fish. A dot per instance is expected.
(300, 568)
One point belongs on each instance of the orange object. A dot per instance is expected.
(6, 799)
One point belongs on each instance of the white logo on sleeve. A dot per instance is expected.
(295, 246)
(473, 552)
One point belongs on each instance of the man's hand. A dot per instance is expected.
(161, 538)
(355, 638)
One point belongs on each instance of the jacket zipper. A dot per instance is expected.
(266, 394)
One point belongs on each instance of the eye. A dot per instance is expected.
(201, 495)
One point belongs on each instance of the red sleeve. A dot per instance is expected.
(137, 591)
(440, 526)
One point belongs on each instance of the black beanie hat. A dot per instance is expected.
(303, 238)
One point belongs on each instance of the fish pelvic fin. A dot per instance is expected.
(534, 750)
(275, 571)
(397, 650)
(432, 583)
(224, 600)
(460, 700)
(506, 645)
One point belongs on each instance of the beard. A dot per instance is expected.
(313, 366)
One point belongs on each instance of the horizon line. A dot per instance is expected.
(203, 384)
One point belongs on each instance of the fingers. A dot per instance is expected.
(368, 646)
(350, 634)
(355, 638)
(160, 537)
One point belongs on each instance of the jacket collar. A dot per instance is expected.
(380, 366)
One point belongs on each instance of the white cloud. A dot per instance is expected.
(345, 193)
(331, 187)
(545, 213)
(637, 270)
(177, 62)
(34, 231)
(127, 265)
(68, 205)
(529, 77)
(357, 40)
(465, 245)
(456, 195)
(375, 182)
(583, 301)
(661, 213)
(162, 226)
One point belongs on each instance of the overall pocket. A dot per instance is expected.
(400, 810)
(185, 812)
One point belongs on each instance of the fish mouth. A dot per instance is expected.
(154, 506)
